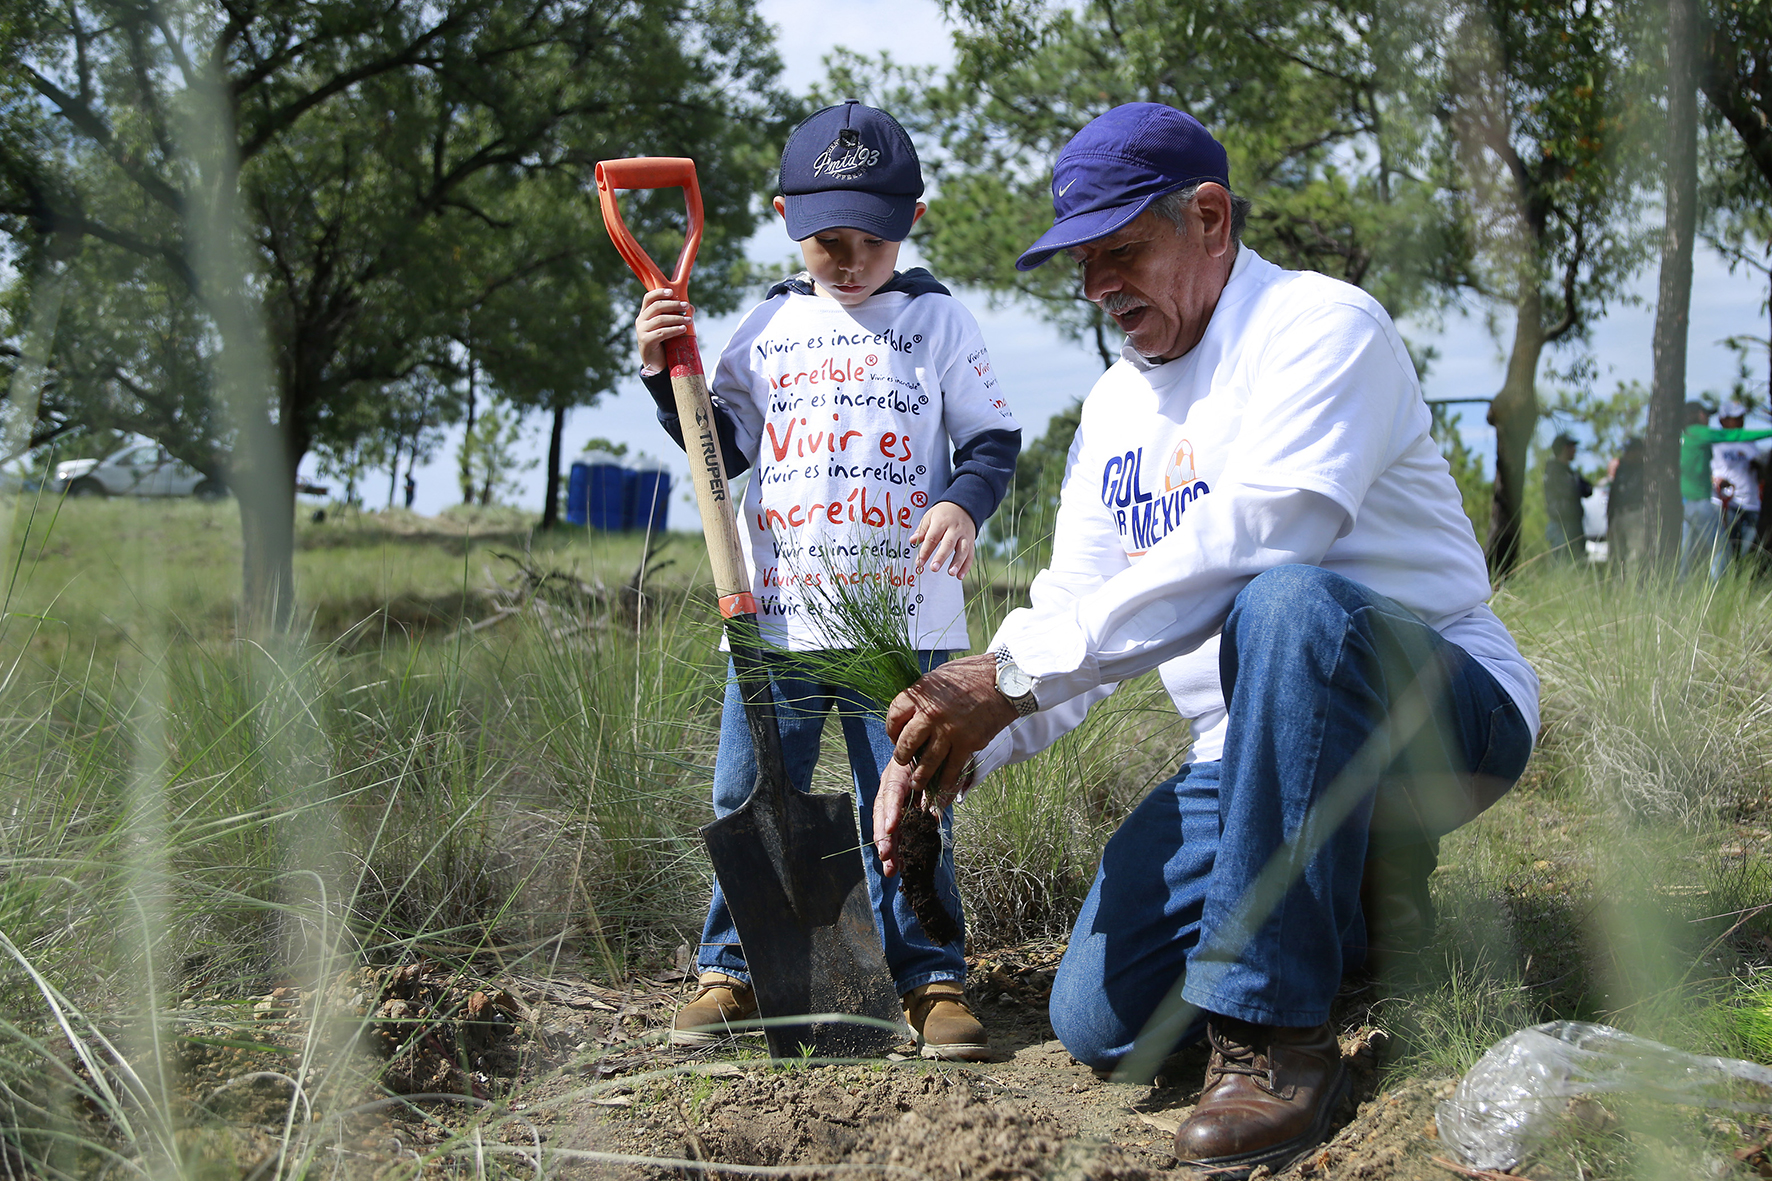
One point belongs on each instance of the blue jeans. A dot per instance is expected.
(1740, 527)
(1701, 538)
(800, 708)
(1234, 888)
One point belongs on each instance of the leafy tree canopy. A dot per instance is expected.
(412, 187)
(1318, 106)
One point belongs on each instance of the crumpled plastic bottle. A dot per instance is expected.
(1513, 1096)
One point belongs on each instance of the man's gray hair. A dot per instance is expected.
(1174, 206)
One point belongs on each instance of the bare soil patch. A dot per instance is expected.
(428, 1071)
(1032, 1113)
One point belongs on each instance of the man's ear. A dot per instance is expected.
(921, 210)
(781, 208)
(1212, 202)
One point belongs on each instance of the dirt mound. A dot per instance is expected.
(906, 1121)
(1392, 1137)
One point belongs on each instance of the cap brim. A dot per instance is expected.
(1080, 228)
(889, 216)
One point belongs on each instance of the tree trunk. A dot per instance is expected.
(1514, 415)
(1667, 399)
(550, 501)
(394, 473)
(467, 442)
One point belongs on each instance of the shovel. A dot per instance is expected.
(788, 862)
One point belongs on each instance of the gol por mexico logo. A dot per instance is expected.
(1143, 518)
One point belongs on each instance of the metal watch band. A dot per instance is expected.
(1025, 704)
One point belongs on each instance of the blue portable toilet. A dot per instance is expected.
(648, 496)
(578, 493)
(605, 491)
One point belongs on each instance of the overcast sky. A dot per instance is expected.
(1042, 373)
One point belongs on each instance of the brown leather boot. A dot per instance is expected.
(719, 1000)
(1268, 1098)
(938, 1012)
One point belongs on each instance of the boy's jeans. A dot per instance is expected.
(1312, 665)
(800, 708)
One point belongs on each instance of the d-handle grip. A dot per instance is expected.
(651, 172)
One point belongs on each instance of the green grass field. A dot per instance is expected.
(488, 749)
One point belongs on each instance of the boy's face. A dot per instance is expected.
(849, 265)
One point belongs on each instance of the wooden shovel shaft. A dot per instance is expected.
(707, 471)
(713, 496)
(713, 493)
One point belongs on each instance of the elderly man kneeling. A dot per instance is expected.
(1253, 506)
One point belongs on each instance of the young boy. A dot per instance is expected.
(843, 390)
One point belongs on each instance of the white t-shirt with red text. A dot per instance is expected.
(849, 415)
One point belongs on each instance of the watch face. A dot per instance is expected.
(1013, 683)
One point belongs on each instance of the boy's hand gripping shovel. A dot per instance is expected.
(789, 863)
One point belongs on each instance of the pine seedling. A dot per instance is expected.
(861, 616)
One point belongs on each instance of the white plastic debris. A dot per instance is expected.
(1512, 1097)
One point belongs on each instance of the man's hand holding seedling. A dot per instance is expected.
(939, 723)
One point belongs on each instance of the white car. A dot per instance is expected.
(143, 469)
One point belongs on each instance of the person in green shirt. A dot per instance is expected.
(1701, 532)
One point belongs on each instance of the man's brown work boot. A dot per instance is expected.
(938, 1012)
(719, 1001)
(1268, 1098)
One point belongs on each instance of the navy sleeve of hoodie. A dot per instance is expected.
(659, 386)
(982, 471)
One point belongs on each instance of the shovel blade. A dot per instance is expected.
(806, 923)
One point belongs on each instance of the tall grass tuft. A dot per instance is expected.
(192, 821)
(1657, 694)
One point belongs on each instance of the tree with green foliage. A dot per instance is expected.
(1734, 69)
(489, 454)
(1418, 152)
(1317, 107)
(290, 209)
(1536, 96)
(1735, 75)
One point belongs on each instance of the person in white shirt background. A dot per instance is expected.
(1735, 474)
(1253, 506)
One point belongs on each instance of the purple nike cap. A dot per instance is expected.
(1116, 166)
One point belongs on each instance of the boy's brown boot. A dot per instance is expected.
(938, 1012)
(720, 1000)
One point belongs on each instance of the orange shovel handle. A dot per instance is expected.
(651, 172)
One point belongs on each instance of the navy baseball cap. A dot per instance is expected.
(1116, 166)
(850, 166)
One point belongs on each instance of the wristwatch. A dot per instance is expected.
(1016, 686)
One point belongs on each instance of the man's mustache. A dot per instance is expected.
(1116, 302)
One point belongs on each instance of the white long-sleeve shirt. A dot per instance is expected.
(1294, 432)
